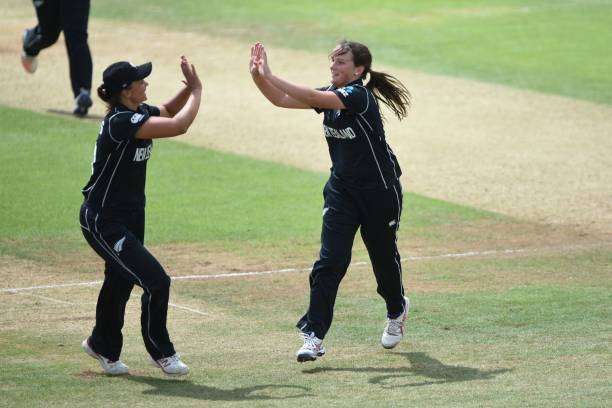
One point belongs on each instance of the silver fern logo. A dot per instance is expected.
(119, 245)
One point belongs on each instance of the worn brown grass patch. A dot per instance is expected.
(535, 156)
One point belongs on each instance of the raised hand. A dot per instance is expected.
(261, 60)
(192, 81)
(253, 62)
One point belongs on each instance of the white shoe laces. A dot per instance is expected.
(311, 342)
(169, 360)
(395, 327)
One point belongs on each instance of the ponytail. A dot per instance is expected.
(385, 88)
(111, 100)
(390, 91)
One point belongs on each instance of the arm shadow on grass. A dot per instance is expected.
(420, 365)
(188, 389)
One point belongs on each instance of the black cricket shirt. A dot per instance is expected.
(119, 166)
(360, 155)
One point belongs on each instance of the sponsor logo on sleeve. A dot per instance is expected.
(346, 91)
(137, 117)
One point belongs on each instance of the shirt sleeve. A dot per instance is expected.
(153, 110)
(323, 88)
(354, 98)
(123, 126)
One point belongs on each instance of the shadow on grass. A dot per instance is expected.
(420, 365)
(187, 389)
(91, 117)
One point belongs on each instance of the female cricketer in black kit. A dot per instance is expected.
(363, 189)
(112, 216)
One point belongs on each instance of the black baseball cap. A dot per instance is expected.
(120, 75)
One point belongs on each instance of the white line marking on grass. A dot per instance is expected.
(240, 274)
(360, 263)
(468, 254)
(187, 308)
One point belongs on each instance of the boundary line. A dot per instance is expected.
(188, 309)
(468, 254)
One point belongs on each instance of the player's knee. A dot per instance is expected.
(162, 284)
(333, 261)
(330, 269)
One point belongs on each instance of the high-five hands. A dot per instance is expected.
(192, 81)
(258, 64)
(253, 61)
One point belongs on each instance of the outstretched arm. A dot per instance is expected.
(158, 127)
(273, 94)
(301, 94)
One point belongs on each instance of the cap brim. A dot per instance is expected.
(143, 71)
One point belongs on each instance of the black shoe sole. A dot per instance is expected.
(307, 357)
(302, 358)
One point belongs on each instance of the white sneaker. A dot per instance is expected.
(29, 63)
(394, 330)
(312, 348)
(109, 367)
(171, 365)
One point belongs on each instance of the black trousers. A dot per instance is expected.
(377, 213)
(71, 17)
(119, 239)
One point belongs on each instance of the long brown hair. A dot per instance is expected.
(385, 88)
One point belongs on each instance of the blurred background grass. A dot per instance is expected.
(559, 47)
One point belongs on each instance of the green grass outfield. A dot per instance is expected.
(510, 345)
(509, 329)
(496, 331)
(193, 194)
(560, 47)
